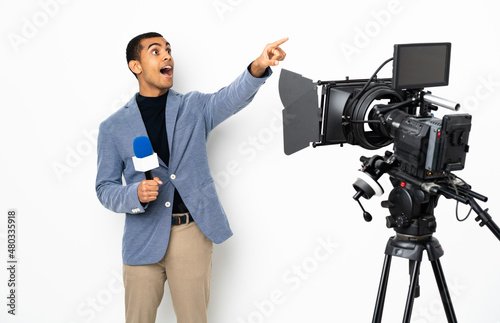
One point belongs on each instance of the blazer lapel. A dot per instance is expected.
(171, 110)
(134, 119)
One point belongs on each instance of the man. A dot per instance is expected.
(172, 220)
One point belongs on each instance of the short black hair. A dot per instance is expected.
(134, 46)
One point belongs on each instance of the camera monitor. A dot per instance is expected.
(417, 66)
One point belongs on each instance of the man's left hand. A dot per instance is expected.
(271, 56)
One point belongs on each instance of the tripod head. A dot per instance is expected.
(412, 200)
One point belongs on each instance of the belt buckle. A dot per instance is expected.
(180, 216)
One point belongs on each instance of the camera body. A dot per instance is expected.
(429, 147)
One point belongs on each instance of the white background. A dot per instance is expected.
(301, 251)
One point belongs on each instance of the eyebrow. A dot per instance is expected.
(158, 44)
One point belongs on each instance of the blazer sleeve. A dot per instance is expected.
(231, 99)
(111, 191)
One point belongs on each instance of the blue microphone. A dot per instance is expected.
(145, 159)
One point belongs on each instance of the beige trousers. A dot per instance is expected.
(187, 265)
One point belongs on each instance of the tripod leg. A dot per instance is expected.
(443, 290)
(415, 270)
(417, 289)
(379, 305)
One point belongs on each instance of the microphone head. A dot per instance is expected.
(142, 147)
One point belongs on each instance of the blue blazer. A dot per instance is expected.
(189, 120)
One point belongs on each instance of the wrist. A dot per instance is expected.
(257, 69)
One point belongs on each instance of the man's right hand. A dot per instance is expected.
(147, 190)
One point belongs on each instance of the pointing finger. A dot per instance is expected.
(279, 42)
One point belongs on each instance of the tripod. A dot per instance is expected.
(411, 204)
(412, 217)
(412, 249)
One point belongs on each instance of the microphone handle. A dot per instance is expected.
(149, 176)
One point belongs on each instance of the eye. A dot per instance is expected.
(154, 52)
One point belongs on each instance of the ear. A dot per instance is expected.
(135, 67)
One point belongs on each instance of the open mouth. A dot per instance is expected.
(167, 71)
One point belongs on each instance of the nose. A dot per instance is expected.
(167, 57)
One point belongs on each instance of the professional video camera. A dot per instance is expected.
(374, 113)
(424, 145)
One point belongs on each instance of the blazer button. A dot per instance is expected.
(172, 176)
(167, 204)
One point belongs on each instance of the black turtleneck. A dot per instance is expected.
(154, 118)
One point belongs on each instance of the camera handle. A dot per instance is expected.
(484, 218)
(460, 193)
(424, 99)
